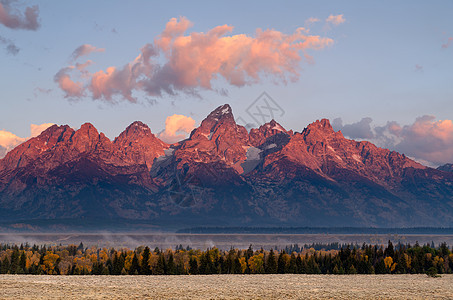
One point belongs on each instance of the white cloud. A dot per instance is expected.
(9, 140)
(177, 127)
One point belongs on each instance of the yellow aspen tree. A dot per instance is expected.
(256, 263)
(408, 261)
(128, 260)
(388, 261)
(49, 262)
(243, 264)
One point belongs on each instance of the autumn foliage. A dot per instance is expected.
(349, 259)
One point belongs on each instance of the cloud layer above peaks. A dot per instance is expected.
(180, 62)
(428, 140)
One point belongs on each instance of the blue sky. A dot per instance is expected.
(388, 61)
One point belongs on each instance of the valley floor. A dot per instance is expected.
(227, 287)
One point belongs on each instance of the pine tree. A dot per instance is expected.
(249, 252)
(352, 270)
(105, 271)
(292, 268)
(5, 266)
(271, 263)
(109, 267)
(204, 266)
(171, 268)
(299, 264)
(335, 270)
(116, 270)
(390, 250)
(281, 264)
(237, 269)
(23, 262)
(135, 267)
(380, 267)
(145, 269)
(14, 265)
(161, 267)
(193, 266)
(98, 267)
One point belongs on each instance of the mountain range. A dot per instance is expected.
(221, 175)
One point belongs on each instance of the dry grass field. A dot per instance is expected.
(227, 287)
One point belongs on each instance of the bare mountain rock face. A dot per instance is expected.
(222, 175)
(202, 174)
(446, 168)
(138, 145)
(64, 173)
(259, 136)
(217, 138)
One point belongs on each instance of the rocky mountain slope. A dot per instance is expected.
(446, 168)
(221, 175)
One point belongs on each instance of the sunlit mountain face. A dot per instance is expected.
(221, 175)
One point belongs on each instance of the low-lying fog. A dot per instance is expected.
(221, 241)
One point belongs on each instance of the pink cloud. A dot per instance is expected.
(312, 20)
(27, 20)
(336, 20)
(84, 50)
(66, 84)
(173, 29)
(113, 81)
(193, 61)
(447, 43)
(428, 140)
(177, 127)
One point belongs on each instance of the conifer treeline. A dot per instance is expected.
(349, 259)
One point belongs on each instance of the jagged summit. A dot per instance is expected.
(259, 135)
(31, 149)
(134, 130)
(274, 125)
(52, 129)
(322, 125)
(320, 130)
(137, 144)
(221, 112)
(86, 138)
(224, 175)
(218, 138)
(138, 125)
(220, 117)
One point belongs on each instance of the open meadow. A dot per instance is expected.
(287, 286)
